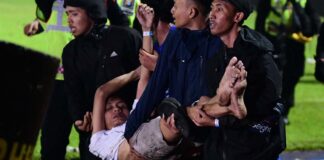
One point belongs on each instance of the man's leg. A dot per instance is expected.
(292, 72)
(231, 90)
(57, 126)
(227, 82)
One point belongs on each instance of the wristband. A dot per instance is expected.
(216, 123)
(147, 33)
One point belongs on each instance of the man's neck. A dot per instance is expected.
(199, 23)
(162, 31)
(230, 37)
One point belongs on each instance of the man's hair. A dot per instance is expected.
(95, 9)
(126, 93)
(203, 6)
(244, 6)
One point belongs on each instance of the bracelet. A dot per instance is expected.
(216, 123)
(147, 33)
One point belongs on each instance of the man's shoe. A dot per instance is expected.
(171, 105)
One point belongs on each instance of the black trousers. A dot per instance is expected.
(56, 126)
(293, 70)
(84, 141)
(290, 59)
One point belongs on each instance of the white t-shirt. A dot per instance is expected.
(105, 143)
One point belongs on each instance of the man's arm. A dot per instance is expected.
(103, 92)
(73, 84)
(43, 13)
(152, 95)
(145, 16)
(44, 9)
(33, 28)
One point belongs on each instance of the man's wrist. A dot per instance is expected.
(147, 33)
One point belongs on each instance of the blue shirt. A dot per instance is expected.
(180, 68)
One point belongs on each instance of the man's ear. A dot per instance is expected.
(193, 12)
(238, 17)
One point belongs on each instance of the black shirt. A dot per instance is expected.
(91, 60)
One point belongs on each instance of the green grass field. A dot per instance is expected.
(306, 129)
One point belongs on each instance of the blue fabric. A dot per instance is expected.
(180, 69)
(156, 45)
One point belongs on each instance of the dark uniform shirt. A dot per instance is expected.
(91, 60)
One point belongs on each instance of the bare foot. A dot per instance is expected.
(228, 80)
(237, 107)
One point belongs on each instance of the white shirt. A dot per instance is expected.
(105, 143)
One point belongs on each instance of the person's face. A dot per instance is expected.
(116, 112)
(221, 17)
(79, 22)
(180, 12)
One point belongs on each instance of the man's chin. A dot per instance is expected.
(119, 122)
(213, 32)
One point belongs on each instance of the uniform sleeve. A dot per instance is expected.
(44, 9)
(152, 95)
(73, 85)
(134, 45)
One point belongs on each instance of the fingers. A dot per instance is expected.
(86, 123)
(78, 123)
(143, 52)
(31, 28)
(144, 8)
(27, 29)
(170, 121)
(203, 100)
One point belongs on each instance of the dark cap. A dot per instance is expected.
(94, 8)
(244, 6)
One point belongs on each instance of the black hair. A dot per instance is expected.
(126, 93)
(95, 9)
(203, 6)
